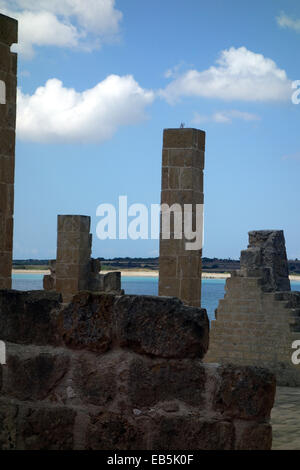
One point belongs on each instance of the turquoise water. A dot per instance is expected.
(212, 289)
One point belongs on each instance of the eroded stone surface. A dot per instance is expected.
(8, 71)
(266, 257)
(182, 183)
(74, 270)
(122, 373)
(258, 320)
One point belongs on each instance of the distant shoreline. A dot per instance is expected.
(139, 273)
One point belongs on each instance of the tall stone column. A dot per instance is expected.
(8, 87)
(182, 184)
(73, 255)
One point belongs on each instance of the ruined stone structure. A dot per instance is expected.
(112, 372)
(74, 270)
(107, 371)
(182, 183)
(8, 81)
(259, 318)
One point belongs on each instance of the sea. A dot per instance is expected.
(212, 289)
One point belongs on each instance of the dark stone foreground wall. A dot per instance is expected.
(122, 372)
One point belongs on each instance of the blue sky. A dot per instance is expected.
(98, 84)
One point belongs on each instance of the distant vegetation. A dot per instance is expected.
(208, 264)
(31, 264)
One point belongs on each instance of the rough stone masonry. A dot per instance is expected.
(182, 183)
(8, 75)
(74, 270)
(259, 318)
(109, 372)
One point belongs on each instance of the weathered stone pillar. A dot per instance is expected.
(182, 183)
(8, 86)
(73, 254)
(74, 270)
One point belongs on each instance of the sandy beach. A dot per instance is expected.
(140, 273)
(31, 271)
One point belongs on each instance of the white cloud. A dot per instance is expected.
(58, 114)
(285, 21)
(173, 71)
(225, 117)
(239, 75)
(63, 23)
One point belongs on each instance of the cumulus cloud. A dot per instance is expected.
(285, 21)
(225, 117)
(63, 23)
(56, 114)
(240, 74)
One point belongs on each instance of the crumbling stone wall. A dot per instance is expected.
(74, 270)
(122, 373)
(8, 75)
(259, 318)
(182, 183)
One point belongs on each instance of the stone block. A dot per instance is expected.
(165, 158)
(66, 286)
(5, 283)
(34, 377)
(112, 282)
(29, 317)
(189, 266)
(8, 426)
(7, 142)
(67, 271)
(94, 381)
(172, 247)
(168, 266)
(174, 178)
(185, 158)
(8, 30)
(195, 432)
(182, 331)
(165, 178)
(244, 392)
(190, 289)
(114, 431)
(73, 223)
(186, 178)
(184, 138)
(14, 63)
(154, 381)
(8, 116)
(181, 158)
(48, 282)
(191, 178)
(87, 322)
(253, 436)
(169, 286)
(47, 428)
(9, 226)
(5, 58)
(5, 264)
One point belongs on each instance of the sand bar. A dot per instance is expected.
(140, 273)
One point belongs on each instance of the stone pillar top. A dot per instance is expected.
(266, 253)
(187, 138)
(8, 30)
(73, 223)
